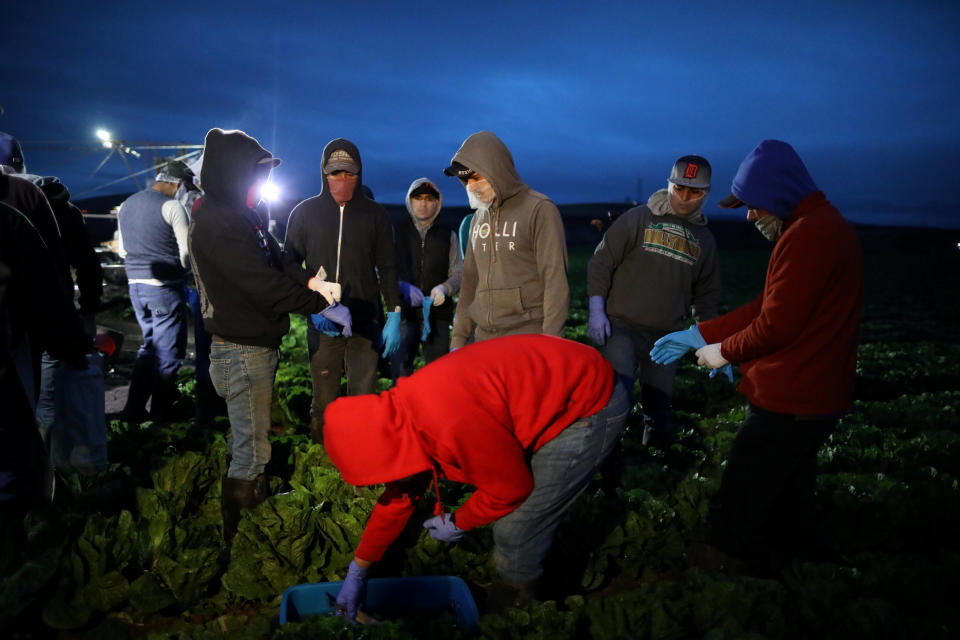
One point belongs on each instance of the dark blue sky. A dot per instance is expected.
(591, 98)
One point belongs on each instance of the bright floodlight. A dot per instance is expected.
(103, 134)
(270, 192)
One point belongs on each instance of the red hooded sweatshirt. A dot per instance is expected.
(474, 414)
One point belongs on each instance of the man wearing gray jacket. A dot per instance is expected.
(515, 267)
(654, 263)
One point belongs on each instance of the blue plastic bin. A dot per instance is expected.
(387, 597)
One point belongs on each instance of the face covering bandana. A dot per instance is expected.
(770, 226)
(480, 194)
(342, 187)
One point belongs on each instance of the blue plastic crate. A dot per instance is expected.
(387, 597)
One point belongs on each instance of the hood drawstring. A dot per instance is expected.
(437, 508)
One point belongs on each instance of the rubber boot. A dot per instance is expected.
(165, 395)
(237, 495)
(141, 387)
(316, 429)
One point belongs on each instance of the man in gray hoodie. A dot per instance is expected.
(654, 263)
(515, 267)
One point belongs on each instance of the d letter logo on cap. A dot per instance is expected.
(691, 171)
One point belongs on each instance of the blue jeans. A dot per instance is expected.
(162, 316)
(628, 350)
(562, 468)
(243, 375)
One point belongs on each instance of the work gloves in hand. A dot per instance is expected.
(670, 347)
(438, 294)
(328, 319)
(427, 303)
(329, 290)
(390, 338)
(353, 591)
(443, 529)
(598, 326)
(411, 293)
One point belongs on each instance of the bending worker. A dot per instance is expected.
(527, 430)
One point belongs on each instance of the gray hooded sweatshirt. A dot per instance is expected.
(515, 268)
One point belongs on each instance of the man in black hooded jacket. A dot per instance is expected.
(248, 287)
(349, 236)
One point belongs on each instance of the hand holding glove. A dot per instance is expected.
(438, 294)
(390, 337)
(710, 356)
(411, 293)
(598, 326)
(333, 315)
(442, 528)
(670, 347)
(329, 290)
(427, 303)
(353, 590)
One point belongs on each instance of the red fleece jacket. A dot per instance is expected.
(796, 343)
(475, 415)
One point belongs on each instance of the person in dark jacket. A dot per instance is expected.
(34, 312)
(248, 287)
(349, 237)
(796, 346)
(655, 264)
(430, 266)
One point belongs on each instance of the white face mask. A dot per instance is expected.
(480, 194)
(770, 226)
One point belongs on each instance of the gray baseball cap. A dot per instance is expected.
(691, 171)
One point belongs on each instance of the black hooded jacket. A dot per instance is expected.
(365, 247)
(247, 285)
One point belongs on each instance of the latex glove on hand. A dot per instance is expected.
(710, 356)
(438, 294)
(353, 590)
(670, 347)
(411, 293)
(323, 325)
(427, 303)
(442, 528)
(339, 314)
(598, 326)
(329, 290)
(390, 337)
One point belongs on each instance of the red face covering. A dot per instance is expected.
(342, 187)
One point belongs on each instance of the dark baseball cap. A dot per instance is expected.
(458, 170)
(731, 202)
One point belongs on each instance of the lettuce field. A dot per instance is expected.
(133, 553)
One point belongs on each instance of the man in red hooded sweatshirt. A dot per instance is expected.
(526, 419)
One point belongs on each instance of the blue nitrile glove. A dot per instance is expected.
(340, 315)
(427, 303)
(390, 338)
(443, 529)
(726, 369)
(598, 326)
(354, 589)
(411, 293)
(670, 347)
(322, 324)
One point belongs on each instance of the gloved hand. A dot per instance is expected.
(438, 294)
(726, 370)
(442, 528)
(390, 338)
(427, 303)
(329, 290)
(354, 589)
(670, 347)
(411, 293)
(598, 326)
(322, 324)
(339, 314)
(710, 356)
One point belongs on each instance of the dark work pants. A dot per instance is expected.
(329, 356)
(765, 501)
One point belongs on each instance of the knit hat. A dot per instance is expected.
(340, 160)
(691, 171)
(10, 152)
